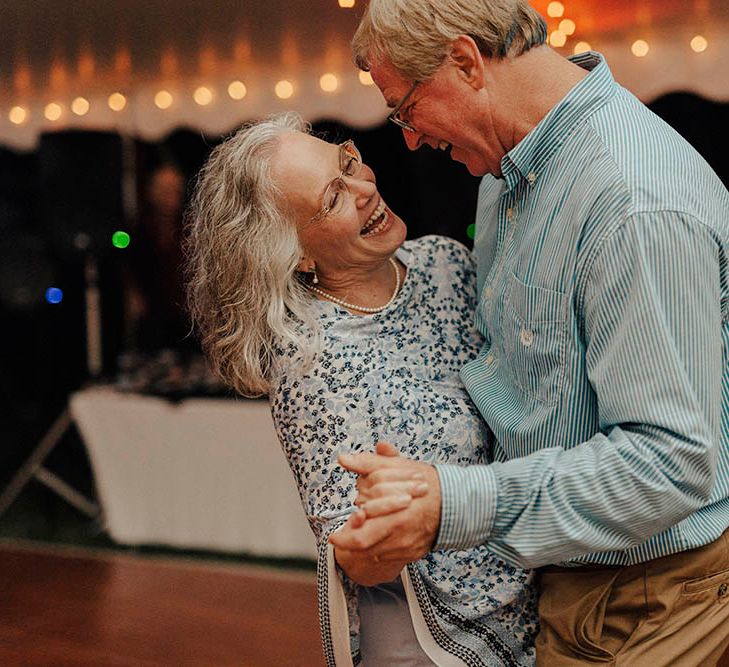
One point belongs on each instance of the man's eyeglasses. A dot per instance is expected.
(350, 160)
(394, 115)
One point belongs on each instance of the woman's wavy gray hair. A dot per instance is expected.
(413, 35)
(244, 295)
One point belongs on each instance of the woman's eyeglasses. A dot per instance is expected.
(350, 161)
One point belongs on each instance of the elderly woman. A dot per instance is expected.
(303, 287)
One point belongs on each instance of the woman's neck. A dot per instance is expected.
(370, 288)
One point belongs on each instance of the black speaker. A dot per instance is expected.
(80, 192)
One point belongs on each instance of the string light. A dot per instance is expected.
(202, 96)
(555, 10)
(53, 111)
(699, 44)
(120, 240)
(117, 101)
(346, 3)
(557, 38)
(237, 90)
(567, 26)
(17, 115)
(640, 48)
(471, 231)
(163, 99)
(54, 295)
(284, 89)
(80, 106)
(328, 82)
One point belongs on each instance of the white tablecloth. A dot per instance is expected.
(203, 473)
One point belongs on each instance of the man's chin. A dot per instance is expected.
(474, 164)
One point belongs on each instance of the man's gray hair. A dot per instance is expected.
(244, 294)
(414, 35)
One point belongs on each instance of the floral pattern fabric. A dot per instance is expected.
(393, 376)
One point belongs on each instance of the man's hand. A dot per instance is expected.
(386, 533)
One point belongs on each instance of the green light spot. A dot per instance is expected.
(471, 231)
(120, 239)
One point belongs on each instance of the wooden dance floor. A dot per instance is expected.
(62, 608)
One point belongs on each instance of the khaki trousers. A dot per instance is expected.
(671, 611)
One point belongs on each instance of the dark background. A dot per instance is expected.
(42, 207)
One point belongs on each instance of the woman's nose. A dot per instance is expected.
(363, 184)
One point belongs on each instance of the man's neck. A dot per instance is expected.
(530, 86)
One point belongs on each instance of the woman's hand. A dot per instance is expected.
(385, 491)
(364, 567)
(400, 536)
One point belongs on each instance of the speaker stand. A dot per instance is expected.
(33, 466)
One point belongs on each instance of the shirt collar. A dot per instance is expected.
(528, 158)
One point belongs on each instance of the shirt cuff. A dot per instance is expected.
(468, 505)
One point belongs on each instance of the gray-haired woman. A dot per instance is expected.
(302, 287)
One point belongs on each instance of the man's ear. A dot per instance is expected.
(469, 62)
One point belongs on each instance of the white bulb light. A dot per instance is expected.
(329, 83)
(284, 89)
(640, 48)
(237, 90)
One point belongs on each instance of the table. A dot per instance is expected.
(202, 473)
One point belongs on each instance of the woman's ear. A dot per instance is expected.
(306, 265)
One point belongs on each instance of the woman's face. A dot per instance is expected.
(342, 221)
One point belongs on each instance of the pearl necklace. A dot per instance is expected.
(363, 309)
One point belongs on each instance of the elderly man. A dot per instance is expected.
(603, 255)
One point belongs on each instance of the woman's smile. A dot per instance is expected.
(379, 222)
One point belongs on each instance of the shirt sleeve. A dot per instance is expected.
(650, 318)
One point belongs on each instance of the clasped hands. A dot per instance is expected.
(398, 510)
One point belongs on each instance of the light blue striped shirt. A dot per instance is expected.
(604, 298)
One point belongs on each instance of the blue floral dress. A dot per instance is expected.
(393, 376)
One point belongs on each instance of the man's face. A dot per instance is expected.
(441, 110)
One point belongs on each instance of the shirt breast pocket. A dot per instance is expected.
(534, 330)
